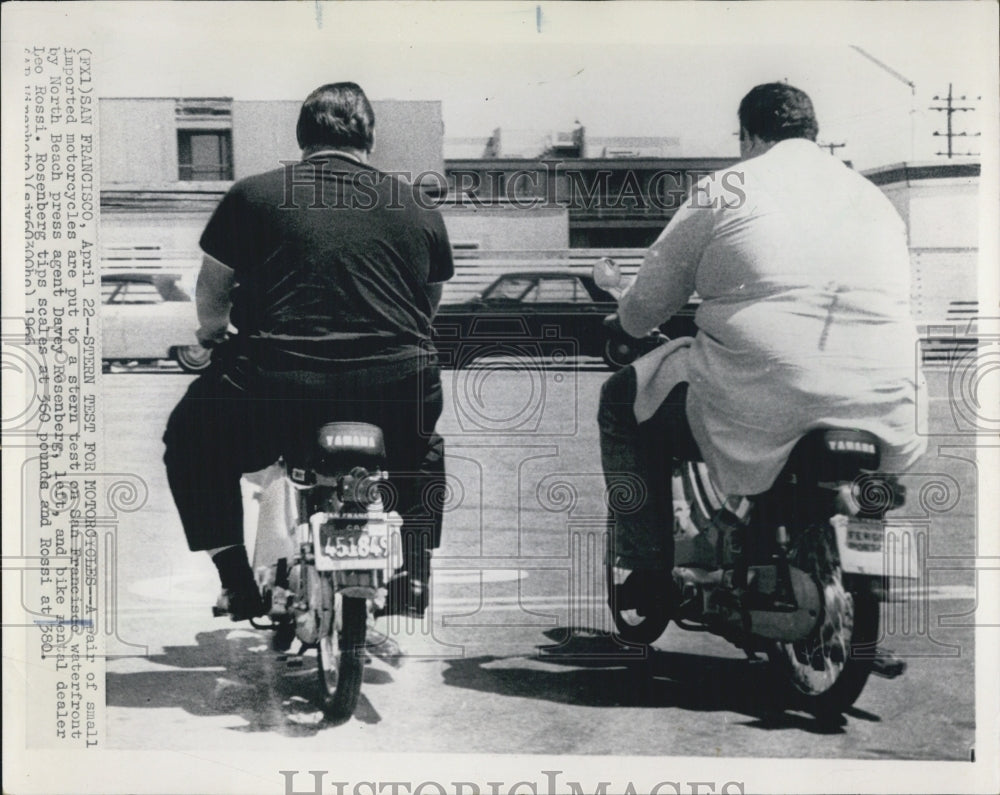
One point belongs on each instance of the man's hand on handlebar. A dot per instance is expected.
(608, 276)
(615, 328)
(613, 324)
(211, 338)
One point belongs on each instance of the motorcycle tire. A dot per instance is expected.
(639, 627)
(342, 655)
(825, 673)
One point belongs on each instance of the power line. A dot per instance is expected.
(950, 109)
(901, 78)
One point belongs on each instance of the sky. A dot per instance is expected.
(620, 69)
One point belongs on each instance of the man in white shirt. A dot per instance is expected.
(803, 270)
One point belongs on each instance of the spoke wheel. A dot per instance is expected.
(343, 626)
(827, 671)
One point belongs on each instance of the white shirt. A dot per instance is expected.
(804, 274)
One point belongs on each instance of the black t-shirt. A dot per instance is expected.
(332, 262)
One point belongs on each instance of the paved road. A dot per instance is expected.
(515, 657)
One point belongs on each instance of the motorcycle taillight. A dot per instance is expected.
(360, 487)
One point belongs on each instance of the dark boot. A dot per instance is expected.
(240, 598)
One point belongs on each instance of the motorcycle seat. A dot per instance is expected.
(341, 446)
(828, 455)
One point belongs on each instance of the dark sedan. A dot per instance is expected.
(535, 314)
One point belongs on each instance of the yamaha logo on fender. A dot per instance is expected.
(348, 440)
(849, 446)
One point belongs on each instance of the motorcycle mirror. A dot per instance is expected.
(607, 274)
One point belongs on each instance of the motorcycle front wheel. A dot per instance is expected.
(826, 672)
(341, 652)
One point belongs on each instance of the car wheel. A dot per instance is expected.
(618, 353)
(192, 358)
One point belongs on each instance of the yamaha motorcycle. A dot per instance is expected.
(325, 549)
(796, 574)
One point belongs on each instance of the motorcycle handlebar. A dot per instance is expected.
(614, 326)
(211, 344)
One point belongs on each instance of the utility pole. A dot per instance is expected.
(950, 109)
(831, 147)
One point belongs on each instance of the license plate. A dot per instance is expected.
(860, 544)
(350, 540)
(865, 535)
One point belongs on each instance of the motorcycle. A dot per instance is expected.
(325, 548)
(796, 574)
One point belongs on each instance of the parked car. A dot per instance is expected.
(543, 313)
(149, 316)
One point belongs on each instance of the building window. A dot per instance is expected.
(204, 139)
(205, 155)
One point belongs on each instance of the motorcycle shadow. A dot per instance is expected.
(235, 672)
(592, 668)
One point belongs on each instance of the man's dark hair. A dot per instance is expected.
(776, 111)
(336, 115)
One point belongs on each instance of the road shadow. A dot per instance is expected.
(234, 672)
(591, 668)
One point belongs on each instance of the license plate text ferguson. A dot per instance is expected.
(548, 782)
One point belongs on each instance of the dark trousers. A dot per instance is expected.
(227, 424)
(638, 462)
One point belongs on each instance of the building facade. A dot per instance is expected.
(611, 202)
(940, 204)
(166, 162)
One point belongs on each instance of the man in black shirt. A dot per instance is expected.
(331, 271)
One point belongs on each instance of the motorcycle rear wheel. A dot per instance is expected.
(341, 653)
(826, 672)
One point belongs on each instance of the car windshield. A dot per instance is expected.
(143, 289)
(562, 290)
(509, 289)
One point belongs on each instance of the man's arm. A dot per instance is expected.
(434, 292)
(442, 266)
(666, 279)
(212, 297)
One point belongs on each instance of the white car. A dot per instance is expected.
(150, 316)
